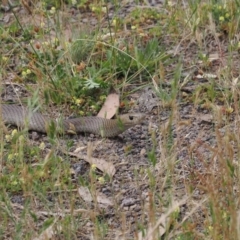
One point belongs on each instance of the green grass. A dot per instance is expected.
(192, 195)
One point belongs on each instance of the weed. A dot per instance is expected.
(194, 151)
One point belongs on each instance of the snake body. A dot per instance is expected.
(22, 117)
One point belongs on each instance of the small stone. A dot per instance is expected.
(35, 136)
(143, 152)
(84, 20)
(132, 207)
(128, 202)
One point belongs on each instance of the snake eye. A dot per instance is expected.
(131, 117)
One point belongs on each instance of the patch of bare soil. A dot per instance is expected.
(184, 128)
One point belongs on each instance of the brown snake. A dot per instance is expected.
(20, 116)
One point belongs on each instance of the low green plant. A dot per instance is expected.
(183, 157)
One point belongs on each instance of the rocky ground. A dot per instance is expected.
(176, 143)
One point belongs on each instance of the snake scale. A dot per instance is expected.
(20, 116)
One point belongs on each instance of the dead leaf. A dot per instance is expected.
(209, 76)
(213, 56)
(104, 200)
(101, 198)
(150, 232)
(6, 19)
(85, 194)
(205, 118)
(110, 106)
(206, 76)
(106, 167)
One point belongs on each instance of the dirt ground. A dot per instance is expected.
(181, 139)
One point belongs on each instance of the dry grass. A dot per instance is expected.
(188, 186)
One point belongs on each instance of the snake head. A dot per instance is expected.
(114, 127)
(130, 120)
